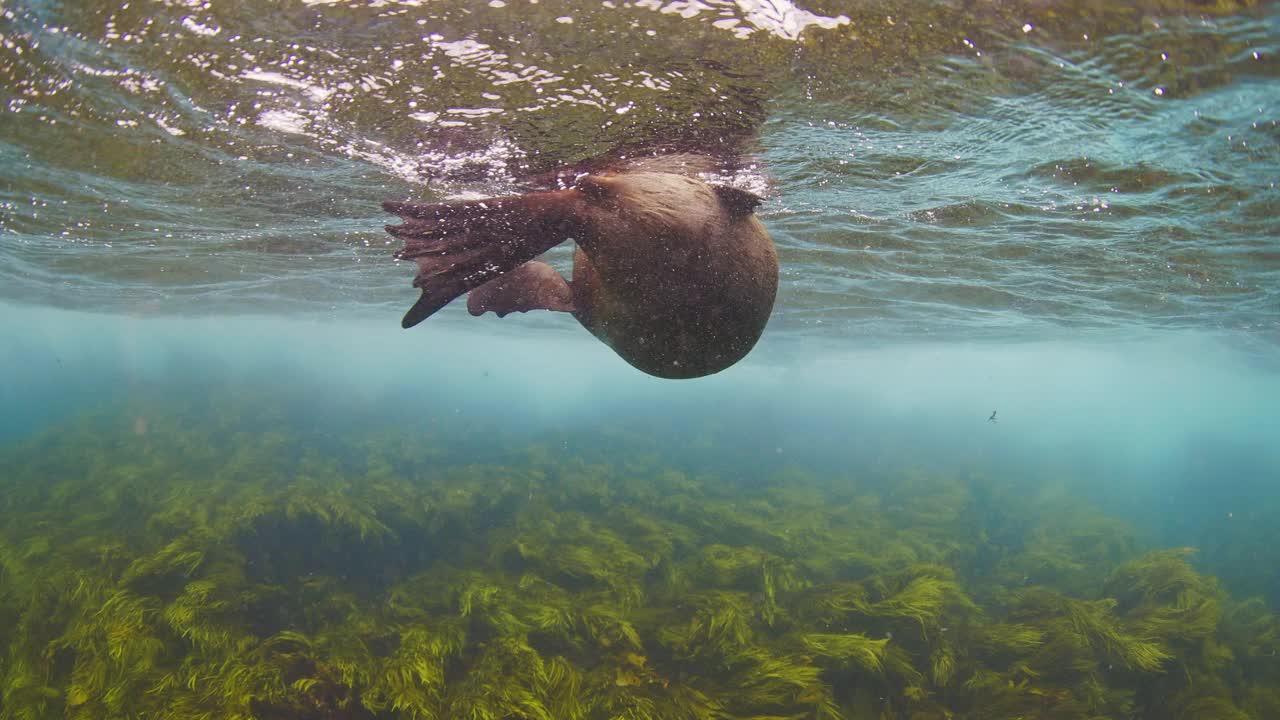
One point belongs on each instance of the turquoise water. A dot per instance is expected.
(1060, 214)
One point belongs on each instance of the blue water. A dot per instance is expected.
(1056, 214)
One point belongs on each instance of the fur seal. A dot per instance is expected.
(676, 275)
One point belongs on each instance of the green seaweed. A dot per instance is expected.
(222, 565)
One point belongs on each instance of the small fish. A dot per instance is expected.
(993, 416)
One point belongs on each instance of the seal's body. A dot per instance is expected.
(677, 276)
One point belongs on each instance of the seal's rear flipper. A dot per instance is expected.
(532, 286)
(461, 246)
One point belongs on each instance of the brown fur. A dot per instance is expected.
(678, 277)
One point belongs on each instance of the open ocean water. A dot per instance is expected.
(1009, 448)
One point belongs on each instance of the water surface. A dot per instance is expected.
(1003, 171)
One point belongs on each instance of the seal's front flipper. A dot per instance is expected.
(532, 286)
(461, 246)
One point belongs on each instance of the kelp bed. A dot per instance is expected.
(210, 562)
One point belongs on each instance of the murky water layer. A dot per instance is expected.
(1000, 170)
